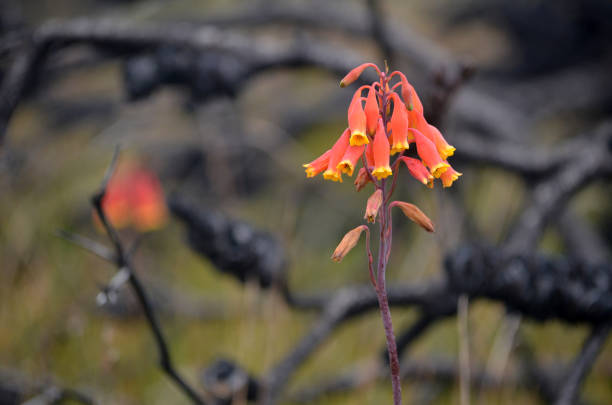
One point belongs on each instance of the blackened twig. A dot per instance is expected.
(570, 387)
(122, 260)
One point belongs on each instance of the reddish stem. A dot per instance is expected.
(384, 251)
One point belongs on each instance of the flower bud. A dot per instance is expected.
(415, 214)
(373, 205)
(362, 179)
(347, 243)
(354, 74)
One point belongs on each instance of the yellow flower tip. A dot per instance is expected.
(346, 167)
(342, 84)
(438, 169)
(448, 181)
(399, 147)
(358, 139)
(382, 172)
(332, 175)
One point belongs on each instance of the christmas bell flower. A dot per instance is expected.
(413, 213)
(350, 159)
(449, 176)
(429, 154)
(399, 126)
(347, 243)
(362, 179)
(371, 111)
(444, 149)
(373, 205)
(357, 121)
(318, 165)
(381, 149)
(337, 152)
(418, 171)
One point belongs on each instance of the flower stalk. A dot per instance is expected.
(388, 124)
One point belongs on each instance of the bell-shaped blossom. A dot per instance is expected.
(418, 171)
(449, 176)
(399, 126)
(381, 149)
(444, 149)
(429, 154)
(357, 121)
(337, 152)
(372, 111)
(318, 165)
(350, 159)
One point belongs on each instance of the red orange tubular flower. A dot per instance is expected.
(444, 149)
(418, 171)
(318, 165)
(381, 150)
(449, 176)
(429, 154)
(399, 126)
(337, 152)
(357, 121)
(371, 111)
(350, 159)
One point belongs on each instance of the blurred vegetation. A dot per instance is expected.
(49, 322)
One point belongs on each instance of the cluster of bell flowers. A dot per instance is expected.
(375, 135)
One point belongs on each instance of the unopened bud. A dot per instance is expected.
(347, 243)
(354, 74)
(362, 179)
(374, 203)
(415, 214)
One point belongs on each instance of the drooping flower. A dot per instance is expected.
(418, 171)
(350, 159)
(399, 126)
(449, 176)
(429, 154)
(381, 149)
(372, 111)
(337, 152)
(444, 149)
(318, 165)
(134, 197)
(357, 121)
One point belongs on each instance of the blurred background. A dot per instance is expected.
(219, 103)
